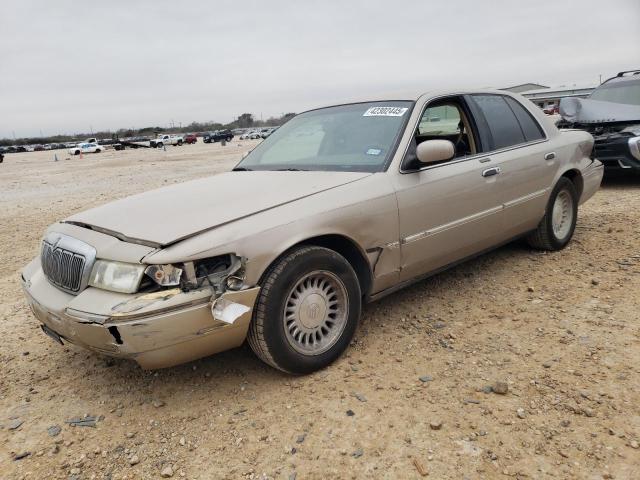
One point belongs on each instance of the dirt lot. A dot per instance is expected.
(561, 330)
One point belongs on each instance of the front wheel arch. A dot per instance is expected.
(342, 245)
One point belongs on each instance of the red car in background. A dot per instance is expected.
(190, 138)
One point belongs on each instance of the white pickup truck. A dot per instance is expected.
(166, 139)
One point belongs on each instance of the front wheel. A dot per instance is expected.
(307, 310)
(559, 222)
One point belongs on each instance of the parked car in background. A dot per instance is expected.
(247, 135)
(218, 135)
(265, 132)
(166, 139)
(355, 201)
(612, 115)
(86, 148)
(190, 138)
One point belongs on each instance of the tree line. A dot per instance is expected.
(246, 120)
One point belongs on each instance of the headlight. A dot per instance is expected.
(116, 276)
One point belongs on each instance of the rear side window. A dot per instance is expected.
(502, 122)
(530, 127)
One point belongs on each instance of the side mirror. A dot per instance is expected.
(432, 151)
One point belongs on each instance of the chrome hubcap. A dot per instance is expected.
(315, 312)
(562, 215)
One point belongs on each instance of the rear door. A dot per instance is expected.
(517, 142)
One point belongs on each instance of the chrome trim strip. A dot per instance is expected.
(526, 198)
(447, 226)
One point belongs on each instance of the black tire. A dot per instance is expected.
(77, 152)
(267, 332)
(179, 143)
(159, 145)
(229, 139)
(544, 237)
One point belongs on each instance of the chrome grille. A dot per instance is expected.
(66, 262)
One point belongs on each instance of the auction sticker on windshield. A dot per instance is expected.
(385, 112)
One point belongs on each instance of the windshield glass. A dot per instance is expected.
(627, 92)
(354, 138)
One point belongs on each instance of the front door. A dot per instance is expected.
(451, 210)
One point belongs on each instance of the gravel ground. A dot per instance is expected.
(518, 364)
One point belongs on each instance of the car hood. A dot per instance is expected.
(167, 215)
(585, 110)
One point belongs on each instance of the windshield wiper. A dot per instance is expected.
(291, 170)
(241, 169)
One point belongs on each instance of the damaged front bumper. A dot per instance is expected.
(157, 330)
(618, 151)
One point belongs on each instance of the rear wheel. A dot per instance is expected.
(77, 152)
(179, 143)
(307, 310)
(559, 222)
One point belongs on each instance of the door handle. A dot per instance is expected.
(550, 156)
(490, 172)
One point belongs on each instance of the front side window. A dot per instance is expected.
(441, 120)
(446, 120)
(357, 137)
(626, 91)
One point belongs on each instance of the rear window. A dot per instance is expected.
(503, 124)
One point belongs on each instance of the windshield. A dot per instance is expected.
(627, 92)
(354, 138)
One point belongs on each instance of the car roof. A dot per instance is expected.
(415, 95)
(623, 78)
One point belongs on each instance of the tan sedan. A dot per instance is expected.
(339, 206)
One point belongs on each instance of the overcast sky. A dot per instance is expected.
(68, 66)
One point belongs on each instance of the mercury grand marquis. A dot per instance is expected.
(340, 206)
